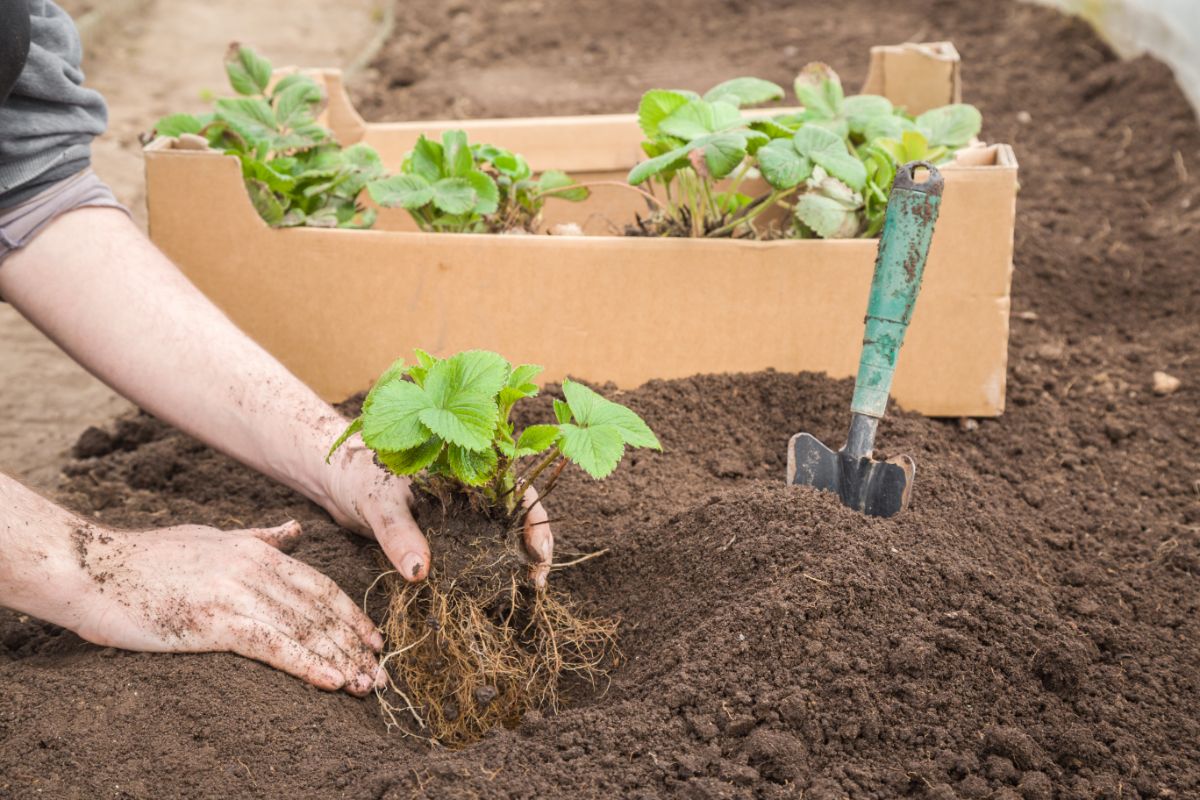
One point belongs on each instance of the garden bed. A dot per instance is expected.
(1027, 630)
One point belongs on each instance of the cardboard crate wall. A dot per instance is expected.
(337, 306)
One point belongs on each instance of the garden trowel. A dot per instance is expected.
(878, 488)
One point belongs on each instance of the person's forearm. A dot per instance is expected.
(96, 286)
(39, 562)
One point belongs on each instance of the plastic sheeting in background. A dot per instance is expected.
(1167, 29)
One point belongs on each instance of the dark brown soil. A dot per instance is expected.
(1029, 629)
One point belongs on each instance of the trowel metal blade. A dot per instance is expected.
(877, 488)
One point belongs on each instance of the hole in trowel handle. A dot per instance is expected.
(920, 176)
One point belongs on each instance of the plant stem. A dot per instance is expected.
(756, 208)
(693, 203)
(738, 177)
(589, 184)
(527, 477)
(706, 185)
(525, 482)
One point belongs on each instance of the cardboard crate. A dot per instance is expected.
(337, 306)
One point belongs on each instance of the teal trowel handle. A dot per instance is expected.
(911, 212)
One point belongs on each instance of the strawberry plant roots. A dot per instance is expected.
(475, 645)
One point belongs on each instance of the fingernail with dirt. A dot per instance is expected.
(411, 566)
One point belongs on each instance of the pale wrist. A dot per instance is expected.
(48, 577)
(349, 469)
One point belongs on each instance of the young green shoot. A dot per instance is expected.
(451, 186)
(830, 164)
(450, 419)
(295, 172)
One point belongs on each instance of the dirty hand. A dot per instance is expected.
(193, 589)
(372, 502)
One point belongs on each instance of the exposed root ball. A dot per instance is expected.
(475, 645)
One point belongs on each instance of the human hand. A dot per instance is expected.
(370, 501)
(193, 589)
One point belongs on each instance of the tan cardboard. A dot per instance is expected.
(337, 306)
(917, 76)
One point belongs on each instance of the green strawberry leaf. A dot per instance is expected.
(473, 467)
(781, 164)
(562, 411)
(950, 126)
(413, 460)
(556, 183)
(461, 395)
(723, 153)
(536, 438)
(401, 191)
(176, 124)
(393, 420)
(248, 72)
(655, 106)
(457, 160)
(523, 375)
(700, 117)
(394, 372)
(426, 159)
(252, 117)
(745, 92)
(265, 202)
(862, 109)
(671, 160)
(597, 449)
(353, 428)
(829, 151)
(487, 194)
(478, 370)
(454, 195)
(294, 105)
(827, 217)
(819, 90)
(590, 409)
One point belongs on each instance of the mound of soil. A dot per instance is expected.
(1029, 629)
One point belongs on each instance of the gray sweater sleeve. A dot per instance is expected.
(49, 119)
(14, 43)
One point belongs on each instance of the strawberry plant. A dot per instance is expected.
(830, 165)
(451, 419)
(453, 186)
(296, 174)
(475, 644)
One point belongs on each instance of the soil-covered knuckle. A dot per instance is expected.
(257, 558)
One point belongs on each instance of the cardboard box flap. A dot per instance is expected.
(915, 76)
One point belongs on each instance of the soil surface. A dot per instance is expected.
(1028, 629)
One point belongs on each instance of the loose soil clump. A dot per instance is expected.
(1028, 629)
